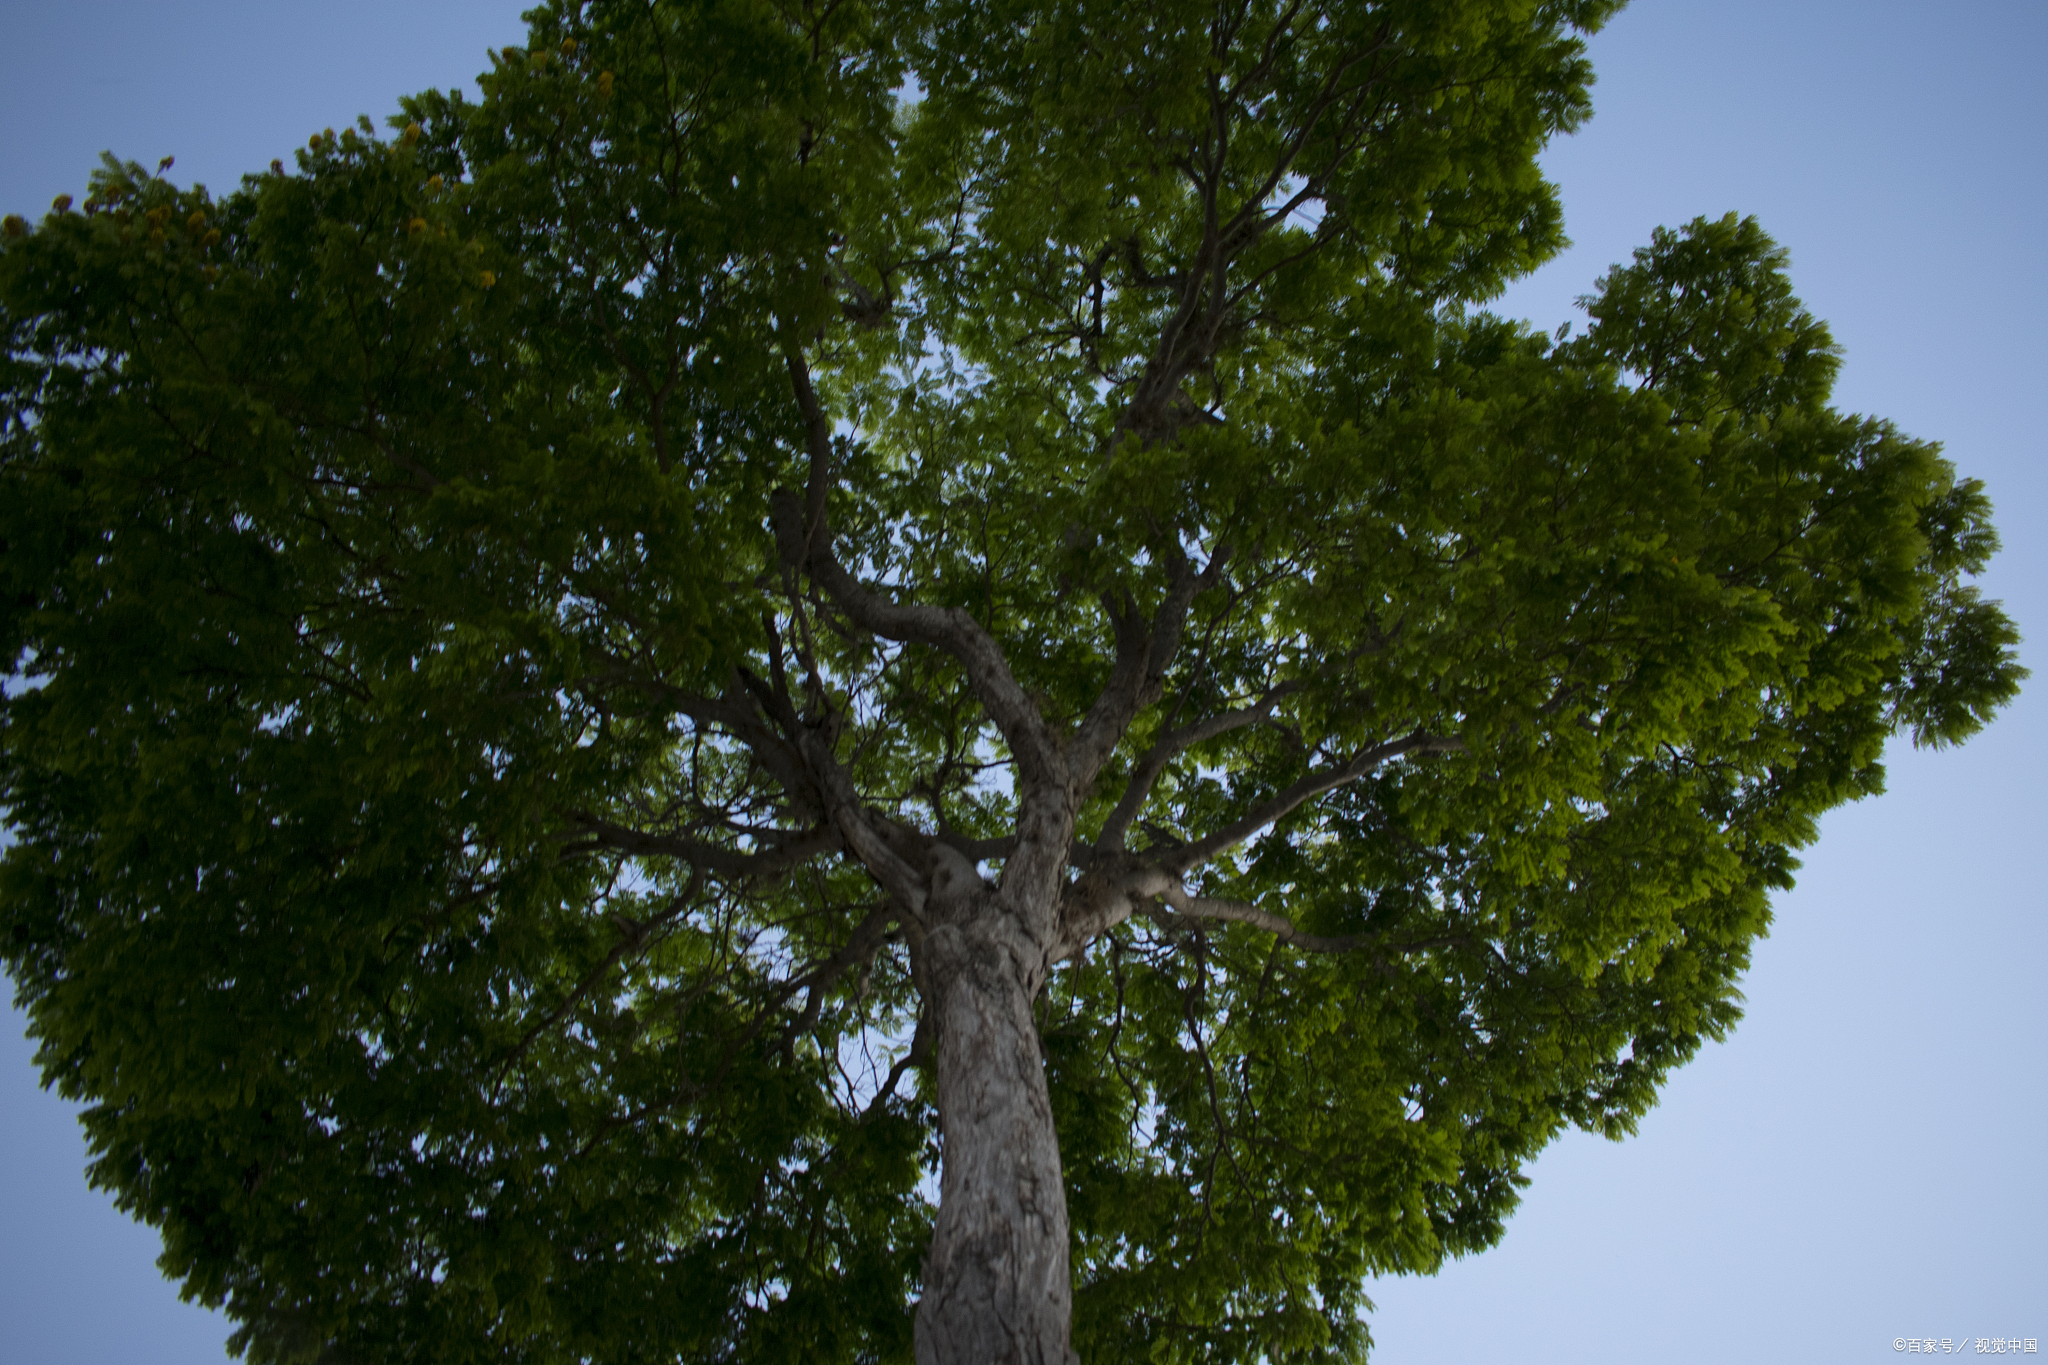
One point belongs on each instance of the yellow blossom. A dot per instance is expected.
(410, 135)
(568, 47)
(16, 225)
(211, 238)
(62, 203)
(416, 226)
(195, 222)
(486, 278)
(604, 84)
(434, 182)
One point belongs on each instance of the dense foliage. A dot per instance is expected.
(475, 745)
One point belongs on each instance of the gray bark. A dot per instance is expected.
(998, 1283)
(998, 1287)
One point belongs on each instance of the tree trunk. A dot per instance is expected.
(998, 1286)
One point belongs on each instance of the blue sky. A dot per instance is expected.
(1862, 1160)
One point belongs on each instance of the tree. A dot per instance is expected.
(800, 580)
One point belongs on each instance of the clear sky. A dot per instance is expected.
(1863, 1160)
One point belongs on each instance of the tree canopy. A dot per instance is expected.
(838, 680)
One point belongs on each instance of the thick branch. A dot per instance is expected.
(1119, 887)
(1307, 789)
(805, 542)
(1242, 912)
(741, 717)
(1139, 677)
(1189, 334)
(867, 842)
(1170, 746)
